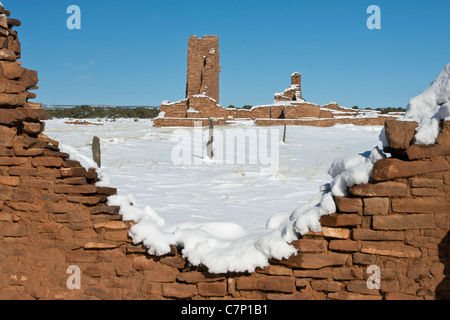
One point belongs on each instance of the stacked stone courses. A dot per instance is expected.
(54, 216)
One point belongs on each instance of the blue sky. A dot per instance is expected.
(134, 52)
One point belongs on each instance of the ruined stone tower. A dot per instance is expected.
(203, 67)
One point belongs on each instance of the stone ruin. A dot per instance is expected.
(54, 219)
(202, 99)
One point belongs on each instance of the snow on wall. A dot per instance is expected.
(430, 107)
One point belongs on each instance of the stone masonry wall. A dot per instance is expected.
(203, 67)
(54, 219)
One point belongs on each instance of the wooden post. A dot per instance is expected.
(209, 145)
(96, 151)
(284, 134)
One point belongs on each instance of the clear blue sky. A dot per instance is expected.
(134, 52)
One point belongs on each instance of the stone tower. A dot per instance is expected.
(203, 67)
(296, 82)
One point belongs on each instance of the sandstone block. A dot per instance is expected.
(4, 21)
(368, 234)
(71, 189)
(176, 262)
(89, 200)
(427, 192)
(112, 225)
(346, 273)
(4, 161)
(316, 260)
(337, 233)
(73, 172)
(6, 142)
(361, 287)
(247, 282)
(11, 86)
(161, 273)
(416, 151)
(326, 285)
(143, 263)
(381, 189)
(71, 218)
(9, 181)
(29, 78)
(390, 168)
(14, 230)
(47, 162)
(418, 272)
(14, 22)
(7, 55)
(363, 259)
(376, 206)
(37, 183)
(276, 283)
(340, 220)
(212, 289)
(343, 245)
(425, 183)
(421, 205)
(119, 236)
(106, 191)
(197, 276)
(276, 270)
(10, 70)
(111, 210)
(400, 296)
(400, 134)
(444, 137)
(351, 205)
(404, 222)
(178, 290)
(324, 273)
(26, 207)
(343, 295)
(310, 245)
(32, 152)
(393, 249)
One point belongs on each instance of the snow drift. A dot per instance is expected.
(430, 107)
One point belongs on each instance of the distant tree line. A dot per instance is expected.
(384, 110)
(89, 112)
(244, 107)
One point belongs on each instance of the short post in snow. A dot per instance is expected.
(209, 145)
(284, 134)
(96, 151)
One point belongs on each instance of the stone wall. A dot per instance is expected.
(203, 67)
(325, 122)
(54, 221)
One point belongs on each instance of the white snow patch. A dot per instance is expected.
(430, 107)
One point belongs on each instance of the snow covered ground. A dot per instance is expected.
(210, 202)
